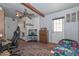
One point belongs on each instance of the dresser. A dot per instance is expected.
(43, 35)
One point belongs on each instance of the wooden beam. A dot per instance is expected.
(28, 5)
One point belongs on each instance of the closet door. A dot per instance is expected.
(2, 23)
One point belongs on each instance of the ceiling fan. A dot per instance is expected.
(24, 14)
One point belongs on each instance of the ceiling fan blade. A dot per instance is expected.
(31, 14)
(18, 11)
(24, 14)
(29, 17)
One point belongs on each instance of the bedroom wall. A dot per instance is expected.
(22, 29)
(78, 23)
(33, 21)
(10, 26)
(36, 25)
(70, 29)
(78, 31)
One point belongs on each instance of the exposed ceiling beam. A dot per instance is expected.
(28, 5)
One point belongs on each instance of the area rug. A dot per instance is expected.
(33, 49)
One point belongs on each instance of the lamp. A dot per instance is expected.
(18, 14)
(1, 35)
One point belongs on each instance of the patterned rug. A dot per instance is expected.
(32, 49)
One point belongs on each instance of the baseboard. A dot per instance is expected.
(23, 40)
(32, 41)
(53, 43)
(38, 41)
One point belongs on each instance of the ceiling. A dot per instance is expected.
(11, 8)
(48, 8)
(45, 8)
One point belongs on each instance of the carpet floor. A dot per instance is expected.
(33, 49)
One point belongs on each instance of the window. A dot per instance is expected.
(67, 18)
(73, 17)
(58, 26)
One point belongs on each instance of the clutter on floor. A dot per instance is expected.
(5, 53)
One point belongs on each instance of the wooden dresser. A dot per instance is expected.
(43, 35)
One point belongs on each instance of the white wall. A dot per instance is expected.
(78, 31)
(34, 21)
(10, 27)
(22, 29)
(36, 25)
(78, 23)
(70, 30)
